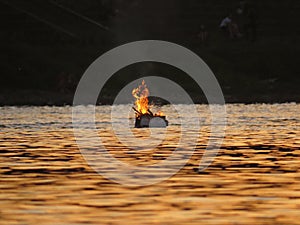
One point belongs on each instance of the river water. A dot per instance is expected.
(255, 178)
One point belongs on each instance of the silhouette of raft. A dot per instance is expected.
(149, 120)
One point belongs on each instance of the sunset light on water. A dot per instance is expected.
(254, 178)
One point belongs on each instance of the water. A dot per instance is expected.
(255, 179)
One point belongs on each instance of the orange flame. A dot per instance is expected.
(141, 95)
(159, 113)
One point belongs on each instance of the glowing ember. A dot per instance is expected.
(159, 113)
(141, 95)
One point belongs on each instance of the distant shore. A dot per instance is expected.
(50, 98)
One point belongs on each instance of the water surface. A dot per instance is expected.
(255, 179)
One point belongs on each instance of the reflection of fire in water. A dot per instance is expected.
(144, 116)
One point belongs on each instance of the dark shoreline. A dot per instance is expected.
(50, 98)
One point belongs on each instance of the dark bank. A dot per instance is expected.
(46, 46)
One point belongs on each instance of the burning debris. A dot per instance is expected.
(144, 116)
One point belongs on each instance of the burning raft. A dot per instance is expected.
(149, 120)
(143, 115)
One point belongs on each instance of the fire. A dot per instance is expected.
(159, 113)
(142, 109)
(142, 103)
(141, 95)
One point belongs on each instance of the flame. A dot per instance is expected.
(141, 95)
(141, 100)
(159, 113)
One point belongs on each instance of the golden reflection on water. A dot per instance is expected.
(255, 179)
